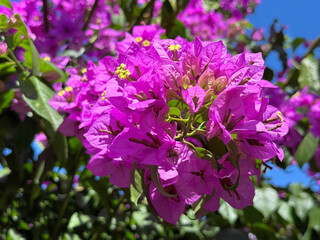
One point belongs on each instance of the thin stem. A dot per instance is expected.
(178, 119)
(68, 198)
(11, 54)
(87, 21)
(140, 17)
(151, 12)
(45, 15)
(313, 46)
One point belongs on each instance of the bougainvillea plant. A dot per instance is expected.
(153, 120)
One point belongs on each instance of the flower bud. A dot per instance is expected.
(171, 94)
(206, 80)
(220, 83)
(3, 48)
(209, 96)
(185, 82)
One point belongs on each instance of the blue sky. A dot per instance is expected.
(301, 16)
(303, 20)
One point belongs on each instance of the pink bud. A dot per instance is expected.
(185, 82)
(3, 48)
(207, 79)
(220, 83)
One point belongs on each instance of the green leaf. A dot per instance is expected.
(3, 21)
(5, 99)
(285, 211)
(228, 212)
(4, 172)
(252, 215)
(203, 153)
(73, 53)
(60, 145)
(263, 231)
(135, 191)
(6, 3)
(51, 72)
(178, 29)
(23, 225)
(306, 149)
(37, 94)
(231, 233)
(35, 58)
(296, 188)
(17, 39)
(29, 46)
(266, 200)
(39, 172)
(174, 111)
(314, 219)
(77, 219)
(301, 203)
(296, 43)
(75, 145)
(309, 73)
(13, 234)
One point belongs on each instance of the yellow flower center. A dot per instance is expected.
(146, 43)
(61, 92)
(280, 116)
(122, 72)
(47, 59)
(84, 70)
(102, 95)
(138, 39)
(173, 48)
(68, 89)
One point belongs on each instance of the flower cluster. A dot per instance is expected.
(214, 25)
(60, 25)
(295, 108)
(187, 116)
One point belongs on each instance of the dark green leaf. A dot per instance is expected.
(51, 72)
(252, 215)
(35, 58)
(309, 73)
(263, 231)
(5, 99)
(306, 149)
(37, 94)
(6, 3)
(157, 183)
(178, 29)
(29, 46)
(3, 21)
(296, 43)
(231, 234)
(60, 145)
